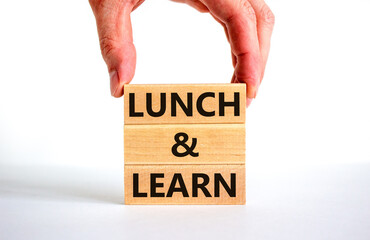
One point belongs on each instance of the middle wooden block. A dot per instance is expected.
(172, 144)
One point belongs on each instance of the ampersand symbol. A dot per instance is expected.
(188, 150)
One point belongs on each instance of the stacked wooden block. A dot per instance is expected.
(184, 144)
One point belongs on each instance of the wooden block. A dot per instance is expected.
(187, 103)
(185, 184)
(156, 144)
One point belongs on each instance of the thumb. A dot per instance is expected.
(116, 43)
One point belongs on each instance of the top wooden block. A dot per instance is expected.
(185, 103)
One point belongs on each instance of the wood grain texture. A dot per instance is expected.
(153, 184)
(216, 144)
(210, 104)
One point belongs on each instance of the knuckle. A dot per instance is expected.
(267, 15)
(95, 4)
(92, 4)
(244, 11)
(101, 5)
(249, 11)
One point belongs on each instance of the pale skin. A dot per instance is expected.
(248, 27)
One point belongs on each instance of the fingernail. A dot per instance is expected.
(113, 82)
(249, 101)
(252, 91)
(255, 92)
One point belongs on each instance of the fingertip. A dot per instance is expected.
(252, 90)
(121, 66)
(252, 86)
(118, 93)
(116, 88)
(249, 101)
(113, 82)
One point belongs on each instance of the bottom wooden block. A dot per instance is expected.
(185, 184)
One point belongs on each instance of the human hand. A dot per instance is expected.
(248, 26)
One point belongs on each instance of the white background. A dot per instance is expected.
(308, 132)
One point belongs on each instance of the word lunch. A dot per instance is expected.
(186, 106)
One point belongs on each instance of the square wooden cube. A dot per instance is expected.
(185, 144)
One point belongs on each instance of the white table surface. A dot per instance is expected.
(306, 202)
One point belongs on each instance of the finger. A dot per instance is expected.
(234, 59)
(234, 80)
(240, 20)
(195, 4)
(137, 4)
(265, 25)
(116, 43)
